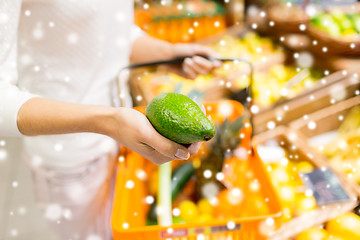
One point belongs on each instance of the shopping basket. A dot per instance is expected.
(130, 207)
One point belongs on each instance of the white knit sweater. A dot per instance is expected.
(69, 50)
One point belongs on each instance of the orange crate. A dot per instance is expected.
(130, 209)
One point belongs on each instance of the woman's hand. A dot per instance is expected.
(133, 130)
(41, 116)
(148, 49)
(197, 64)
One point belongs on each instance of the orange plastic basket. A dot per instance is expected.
(130, 209)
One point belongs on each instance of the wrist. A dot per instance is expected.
(103, 121)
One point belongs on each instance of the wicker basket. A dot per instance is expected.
(331, 87)
(287, 19)
(327, 45)
(326, 119)
(320, 215)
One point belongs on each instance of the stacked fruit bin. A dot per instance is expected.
(182, 21)
(286, 129)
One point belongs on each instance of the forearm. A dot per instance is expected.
(40, 116)
(147, 49)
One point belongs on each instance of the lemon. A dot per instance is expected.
(205, 206)
(331, 237)
(345, 226)
(314, 233)
(287, 193)
(188, 210)
(304, 204)
(305, 167)
(205, 217)
(287, 214)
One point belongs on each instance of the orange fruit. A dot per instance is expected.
(188, 210)
(314, 233)
(345, 226)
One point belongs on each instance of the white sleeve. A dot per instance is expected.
(136, 32)
(11, 98)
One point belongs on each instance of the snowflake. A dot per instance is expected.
(36, 68)
(53, 212)
(3, 154)
(38, 33)
(207, 173)
(72, 38)
(271, 125)
(36, 161)
(67, 214)
(200, 237)
(302, 27)
(130, 184)
(125, 225)
(14, 232)
(22, 210)
(93, 237)
(58, 147)
(176, 212)
(27, 13)
(120, 17)
(4, 18)
(149, 199)
(141, 174)
(219, 176)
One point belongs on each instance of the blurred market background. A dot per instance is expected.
(305, 118)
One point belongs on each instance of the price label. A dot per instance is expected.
(325, 186)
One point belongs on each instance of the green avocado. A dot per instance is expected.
(180, 119)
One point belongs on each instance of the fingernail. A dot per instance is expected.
(197, 59)
(189, 61)
(182, 154)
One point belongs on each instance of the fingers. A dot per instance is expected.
(194, 147)
(203, 63)
(188, 68)
(167, 147)
(154, 156)
(199, 65)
